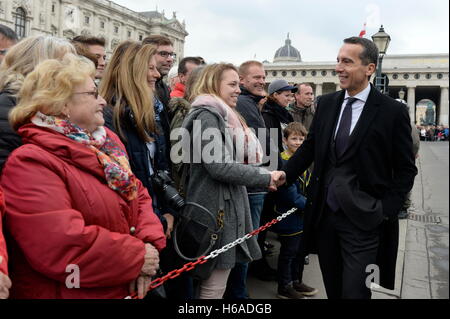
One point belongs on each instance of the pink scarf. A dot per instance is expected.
(241, 133)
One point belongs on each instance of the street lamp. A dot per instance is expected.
(381, 40)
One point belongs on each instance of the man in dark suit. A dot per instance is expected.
(360, 143)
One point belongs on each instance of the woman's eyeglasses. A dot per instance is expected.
(93, 93)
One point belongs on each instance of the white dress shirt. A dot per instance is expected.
(357, 107)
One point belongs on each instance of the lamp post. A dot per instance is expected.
(381, 40)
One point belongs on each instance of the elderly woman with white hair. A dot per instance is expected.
(76, 214)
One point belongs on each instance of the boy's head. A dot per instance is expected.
(294, 135)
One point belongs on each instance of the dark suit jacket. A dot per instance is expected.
(382, 168)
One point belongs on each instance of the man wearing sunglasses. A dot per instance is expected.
(7, 39)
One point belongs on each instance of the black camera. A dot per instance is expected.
(166, 187)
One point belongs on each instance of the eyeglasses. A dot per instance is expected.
(166, 54)
(93, 93)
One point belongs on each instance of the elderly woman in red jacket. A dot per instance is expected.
(5, 282)
(81, 223)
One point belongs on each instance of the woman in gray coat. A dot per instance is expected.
(224, 154)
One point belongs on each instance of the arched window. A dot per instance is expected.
(20, 23)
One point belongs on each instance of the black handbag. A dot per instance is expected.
(195, 236)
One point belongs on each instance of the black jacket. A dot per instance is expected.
(138, 155)
(9, 140)
(276, 116)
(247, 106)
(380, 158)
(163, 94)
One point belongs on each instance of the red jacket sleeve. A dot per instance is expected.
(53, 236)
(3, 252)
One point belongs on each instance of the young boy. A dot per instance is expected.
(291, 259)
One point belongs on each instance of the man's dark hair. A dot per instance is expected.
(157, 40)
(88, 40)
(370, 50)
(8, 33)
(182, 66)
(202, 61)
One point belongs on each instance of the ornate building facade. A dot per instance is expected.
(423, 77)
(68, 18)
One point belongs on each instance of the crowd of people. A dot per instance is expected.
(433, 133)
(114, 170)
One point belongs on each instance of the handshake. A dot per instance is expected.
(277, 178)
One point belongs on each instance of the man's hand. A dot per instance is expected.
(5, 285)
(277, 179)
(170, 221)
(151, 261)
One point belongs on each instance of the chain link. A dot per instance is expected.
(191, 265)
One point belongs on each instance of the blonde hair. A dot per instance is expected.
(125, 84)
(209, 79)
(23, 57)
(244, 67)
(48, 88)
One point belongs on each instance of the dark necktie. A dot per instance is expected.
(343, 132)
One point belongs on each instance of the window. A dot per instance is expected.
(86, 19)
(53, 8)
(274, 73)
(303, 73)
(406, 76)
(440, 76)
(428, 76)
(294, 73)
(334, 73)
(417, 76)
(313, 73)
(284, 73)
(129, 34)
(116, 29)
(395, 76)
(140, 37)
(102, 24)
(20, 22)
(324, 73)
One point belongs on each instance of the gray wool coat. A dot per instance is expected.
(206, 180)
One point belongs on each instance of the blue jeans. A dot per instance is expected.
(256, 205)
(237, 281)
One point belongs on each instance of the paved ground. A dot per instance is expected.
(422, 264)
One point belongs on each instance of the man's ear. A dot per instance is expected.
(371, 69)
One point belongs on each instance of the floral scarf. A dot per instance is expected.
(114, 160)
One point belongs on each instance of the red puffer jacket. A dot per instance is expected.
(62, 217)
(3, 253)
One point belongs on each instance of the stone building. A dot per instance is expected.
(67, 18)
(423, 77)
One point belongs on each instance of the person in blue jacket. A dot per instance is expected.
(291, 257)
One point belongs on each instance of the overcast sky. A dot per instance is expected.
(239, 30)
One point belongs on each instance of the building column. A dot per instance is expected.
(412, 104)
(443, 109)
(318, 89)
